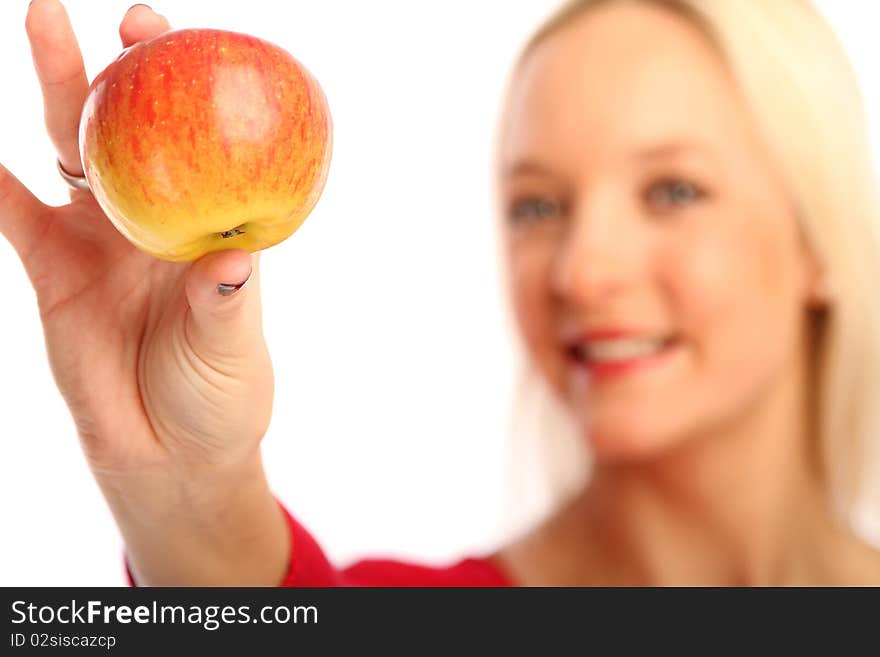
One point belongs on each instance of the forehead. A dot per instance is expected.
(617, 78)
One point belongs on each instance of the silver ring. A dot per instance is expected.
(74, 182)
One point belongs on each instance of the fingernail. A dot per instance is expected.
(139, 4)
(228, 289)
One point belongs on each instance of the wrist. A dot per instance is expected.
(182, 493)
(223, 526)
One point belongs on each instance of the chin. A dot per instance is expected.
(631, 440)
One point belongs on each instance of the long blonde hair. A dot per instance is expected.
(803, 94)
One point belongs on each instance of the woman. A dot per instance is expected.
(688, 223)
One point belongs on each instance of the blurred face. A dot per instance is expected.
(658, 274)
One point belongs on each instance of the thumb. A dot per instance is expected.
(224, 315)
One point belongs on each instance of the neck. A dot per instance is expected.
(738, 506)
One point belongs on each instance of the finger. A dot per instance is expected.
(221, 294)
(22, 216)
(59, 66)
(141, 23)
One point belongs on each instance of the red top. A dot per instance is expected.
(309, 566)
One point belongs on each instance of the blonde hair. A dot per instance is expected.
(803, 94)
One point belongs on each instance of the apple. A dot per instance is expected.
(201, 140)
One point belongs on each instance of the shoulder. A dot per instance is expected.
(469, 571)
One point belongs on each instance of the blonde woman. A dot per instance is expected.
(689, 226)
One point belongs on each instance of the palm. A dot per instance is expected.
(94, 285)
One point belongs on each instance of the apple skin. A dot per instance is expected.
(202, 140)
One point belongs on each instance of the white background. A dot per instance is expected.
(384, 313)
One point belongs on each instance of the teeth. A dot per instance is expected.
(606, 351)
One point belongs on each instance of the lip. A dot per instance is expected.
(569, 336)
(613, 370)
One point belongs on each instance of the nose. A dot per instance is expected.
(598, 257)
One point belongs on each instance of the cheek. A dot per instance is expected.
(736, 294)
(529, 267)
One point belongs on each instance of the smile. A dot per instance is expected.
(612, 357)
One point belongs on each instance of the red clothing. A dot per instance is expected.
(309, 566)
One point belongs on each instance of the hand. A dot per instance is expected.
(161, 372)
(169, 382)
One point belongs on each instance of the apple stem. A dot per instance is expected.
(231, 233)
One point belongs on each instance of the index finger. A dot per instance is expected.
(59, 66)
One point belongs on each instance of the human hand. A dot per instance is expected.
(161, 372)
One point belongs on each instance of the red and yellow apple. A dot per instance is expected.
(201, 140)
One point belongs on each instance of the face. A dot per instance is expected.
(657, 271)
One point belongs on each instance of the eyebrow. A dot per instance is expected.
(652, 152)
(524, 167)
(668, 149)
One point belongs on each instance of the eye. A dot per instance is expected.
(673, 193)
(534, 208)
